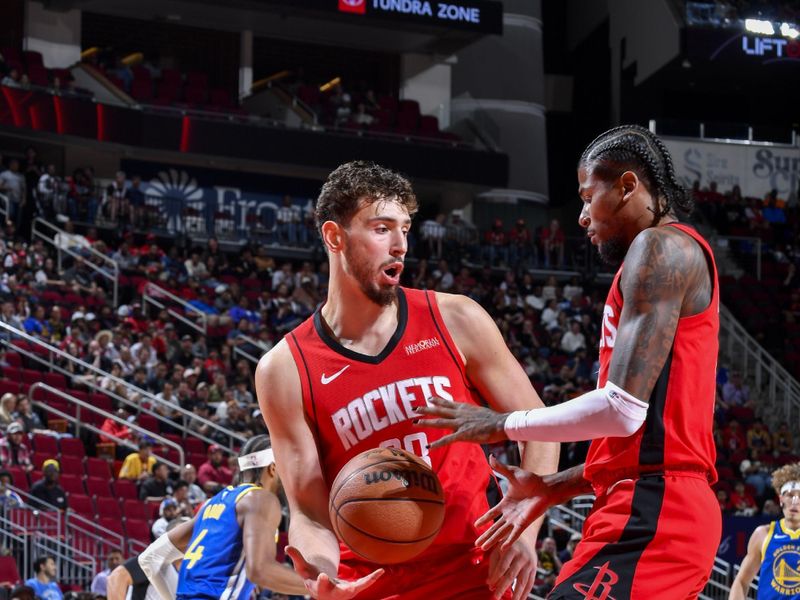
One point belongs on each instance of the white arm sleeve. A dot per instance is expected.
(609, 411)
(152, 560)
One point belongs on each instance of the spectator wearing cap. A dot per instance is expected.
(13, 449)
(8, 497)
(48, 491)
(157, 485)
(214, 474)
(138, 465)
(167, 512)
(195, 493)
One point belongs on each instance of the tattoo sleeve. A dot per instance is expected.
(662, 266)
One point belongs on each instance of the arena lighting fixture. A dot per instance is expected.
(330, 85)
(789, 31)
(759, 26)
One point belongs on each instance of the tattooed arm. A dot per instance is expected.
(666, 277)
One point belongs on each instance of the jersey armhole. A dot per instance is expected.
(303, 372)
(449, 343)
(767, 540)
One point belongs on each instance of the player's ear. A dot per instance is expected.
(629, 182)
(332, 236)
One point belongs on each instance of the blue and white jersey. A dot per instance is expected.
(213, 565)
(779, 578)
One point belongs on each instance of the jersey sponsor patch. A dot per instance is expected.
(422, 345)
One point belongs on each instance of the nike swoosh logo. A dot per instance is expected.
(327, 380)
(780, 537)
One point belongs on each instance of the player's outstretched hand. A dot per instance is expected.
(515, 565)
(525, 501)
(469, 423)
(323, 587)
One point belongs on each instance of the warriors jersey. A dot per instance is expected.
(677, 433)
(213, 565)
(779, 578)
(357, 402)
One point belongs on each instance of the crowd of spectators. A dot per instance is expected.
(249, 300)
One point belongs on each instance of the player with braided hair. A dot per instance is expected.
(774, 549)
(654, 529)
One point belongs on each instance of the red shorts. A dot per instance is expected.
(459, 572)
(653, 538)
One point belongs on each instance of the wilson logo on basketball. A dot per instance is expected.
(408, 479)
(353, 6)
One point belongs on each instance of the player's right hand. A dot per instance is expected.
(525, 501)
(323, 587)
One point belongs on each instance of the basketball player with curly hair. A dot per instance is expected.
(774, 549)
(651, 461)
(347, 380)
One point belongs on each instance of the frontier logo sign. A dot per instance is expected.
(353, 6)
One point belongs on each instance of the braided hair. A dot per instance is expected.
(634, 148)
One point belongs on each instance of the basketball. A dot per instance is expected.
(386, 505)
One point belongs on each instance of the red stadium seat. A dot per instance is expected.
(112, 524)
(45, 443)
(193, 445)
(135, 509)
(72, 465)
(109, 508)
(14, 359)
(19, 478)
(81, 504)
(98, 468)
(73, 447)
(57, 380)
(72, 484)
(9, 573)
(99, 487)
(138, 530)
(8, 386)
(125, 489)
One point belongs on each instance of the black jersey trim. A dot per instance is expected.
(450, 351)
(651, 449)
(617, 561)
(402, 321)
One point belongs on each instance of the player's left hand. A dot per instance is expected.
(519, 563)
(469, 423)
(323, 587)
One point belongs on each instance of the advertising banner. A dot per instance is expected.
(755, 169)
(190, 200)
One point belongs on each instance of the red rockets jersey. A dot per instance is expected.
(357, 402)
(678, 431)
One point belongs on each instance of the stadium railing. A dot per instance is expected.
(82, 421)
(780, 392)
(43, 230)
(138, 395)
(250, 344)
(155, 295)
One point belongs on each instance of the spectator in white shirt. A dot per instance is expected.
(573, 340)
(286, 224)
(69, 240)
(433, 232)
(550, 315)
(12, 184)
(196, 267)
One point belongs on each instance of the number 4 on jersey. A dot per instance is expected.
(195, 551)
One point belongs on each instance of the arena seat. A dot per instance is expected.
(98, 468)
(81, 504)
(9, 574)
(72, 447)
(99, 487)
(135, 509)
(109, 508)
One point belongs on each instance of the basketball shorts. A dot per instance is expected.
(652, 538)
(457, 573)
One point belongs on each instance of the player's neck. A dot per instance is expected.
(351, 316)
(791, 524)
